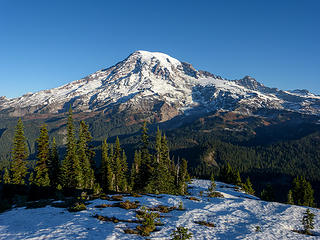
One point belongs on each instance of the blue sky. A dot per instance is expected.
(45, 44)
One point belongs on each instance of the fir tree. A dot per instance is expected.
(183, 176)
(267, 194)
(19, 155)
(247, 187)
(212, 186)
(71, 172)
(54, 164)
(41, 177)
(308, 221)
(135, 180)
(106, 168)
(302, 192)
(84, 155)
(290, 198)
(6, 176)
(146, 169)
(181, 233)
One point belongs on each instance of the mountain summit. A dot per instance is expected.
(155, 82)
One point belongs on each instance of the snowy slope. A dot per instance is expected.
(154, 76)
(236, 216)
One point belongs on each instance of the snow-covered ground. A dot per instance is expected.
(236, 216)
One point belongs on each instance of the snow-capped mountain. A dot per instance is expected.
(152, 81)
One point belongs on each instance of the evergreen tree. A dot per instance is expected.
(237, 178)
(71, 172)
(124, 165)
(212, 186)
(54, 164)
(135, 180)
(308, 221)
(267, 194)
(290, 198)
(181, 233)
(247, 187)
(183, 176)
(19, 155)
(84, 155)
(6, 176)
(146, 169)
(41, 177)
(120, 168)
(302, 192)
(106, 168)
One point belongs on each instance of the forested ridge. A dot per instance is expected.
(289, 150)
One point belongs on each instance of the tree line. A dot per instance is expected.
(152, 171)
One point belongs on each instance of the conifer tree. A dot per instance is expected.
(41, 177)
(6, 176)
(302, 192)
(183, 175)
(135, 180)
(237, 178)
(267, 194)
(106, 168)
(212, 186)
(19, 155)
(146, 165)
(54, 164)
(71, 172)
(84, 155)
(308, 221)
(124, 165)
(290, 198)
(247, 187)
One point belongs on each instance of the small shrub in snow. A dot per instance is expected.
(181, 233)
(204, 223)
(308, 221)
(215, 194)
(149, 221)
(193, 199)
(77, 207)
(258, 229)
(129, 205)
(181, 206)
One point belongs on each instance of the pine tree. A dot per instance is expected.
(267, 194)
(212, 186)
(84, 155)
(41, 177)
(71, 172)
(135, 180)
(302, 192)
(19, 155)
(54, 164)
(308, 221)
(237, 178)
(183, 175)
(6, 176)
(124, 165)
(146, 169)
(181, 233)
(106, 168)
(290, 198)
(247, 187)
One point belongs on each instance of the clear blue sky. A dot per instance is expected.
(44, 44)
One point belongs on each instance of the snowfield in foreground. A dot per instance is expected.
(236, 216)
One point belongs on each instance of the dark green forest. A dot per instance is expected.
(270, 155)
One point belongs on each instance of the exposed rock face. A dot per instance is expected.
(161, 87)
